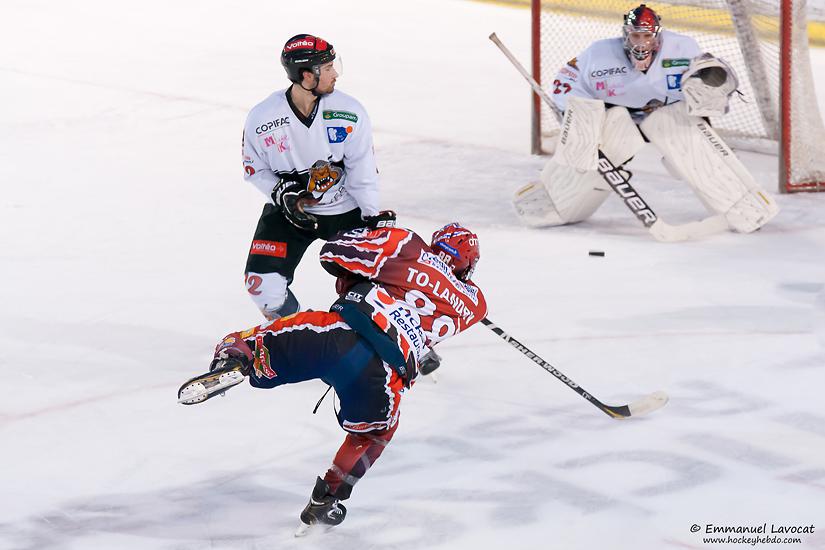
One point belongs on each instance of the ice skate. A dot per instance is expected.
(225, 374)
(323, 510)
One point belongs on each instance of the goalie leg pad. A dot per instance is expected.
(574, 194)
(621, 139)
(571, 189)
(581, 131)
(534, 207)
(563, 196)
(709, 166)
(752, 211)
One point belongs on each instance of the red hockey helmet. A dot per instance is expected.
(305, 52)
(457, 247)
(642, 39)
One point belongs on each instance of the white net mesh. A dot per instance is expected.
(726, 28)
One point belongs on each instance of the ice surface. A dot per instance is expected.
(124, 225)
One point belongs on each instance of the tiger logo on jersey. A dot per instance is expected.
(322, 177)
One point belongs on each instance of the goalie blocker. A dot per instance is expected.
(571, 188)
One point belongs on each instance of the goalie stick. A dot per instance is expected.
(644, 405)
(619, 180)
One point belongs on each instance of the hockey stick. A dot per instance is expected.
(619, 180)
(644, 405)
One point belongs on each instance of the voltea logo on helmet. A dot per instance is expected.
(303, 44)
(305, 52)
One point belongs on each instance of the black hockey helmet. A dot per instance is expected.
(305, 52)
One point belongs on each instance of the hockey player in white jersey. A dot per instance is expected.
(308, 148)
(659, 82)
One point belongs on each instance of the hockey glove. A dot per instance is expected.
(428, 363)
(708, 84)
(291, 197)
(232, 347)
(385, 218)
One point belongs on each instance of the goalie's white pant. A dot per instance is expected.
(695, 152)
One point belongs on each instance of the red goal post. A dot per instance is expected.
(767, 43)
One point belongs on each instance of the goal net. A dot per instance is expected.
(766, 42)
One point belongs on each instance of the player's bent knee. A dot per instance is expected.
(270, 293)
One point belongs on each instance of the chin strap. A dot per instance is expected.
(301, 84)
(314, 88)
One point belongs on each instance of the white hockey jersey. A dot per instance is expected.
(278, 142)
(603, 71)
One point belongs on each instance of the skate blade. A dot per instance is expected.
(313, 529)
(202, 388)
(302, 529)
(305, 529)
(193, 393)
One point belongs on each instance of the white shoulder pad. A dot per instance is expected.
(708, 84)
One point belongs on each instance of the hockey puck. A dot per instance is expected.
(596, 253)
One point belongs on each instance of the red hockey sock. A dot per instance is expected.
(354, 458)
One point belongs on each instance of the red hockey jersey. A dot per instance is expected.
(407, 268)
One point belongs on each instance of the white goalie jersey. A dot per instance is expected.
(602, 71)
(278, 142)
(606, 101)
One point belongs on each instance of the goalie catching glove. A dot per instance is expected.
(708, 84)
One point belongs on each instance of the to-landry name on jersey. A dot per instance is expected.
(422, 279)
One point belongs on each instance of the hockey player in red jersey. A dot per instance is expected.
(398, 297)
